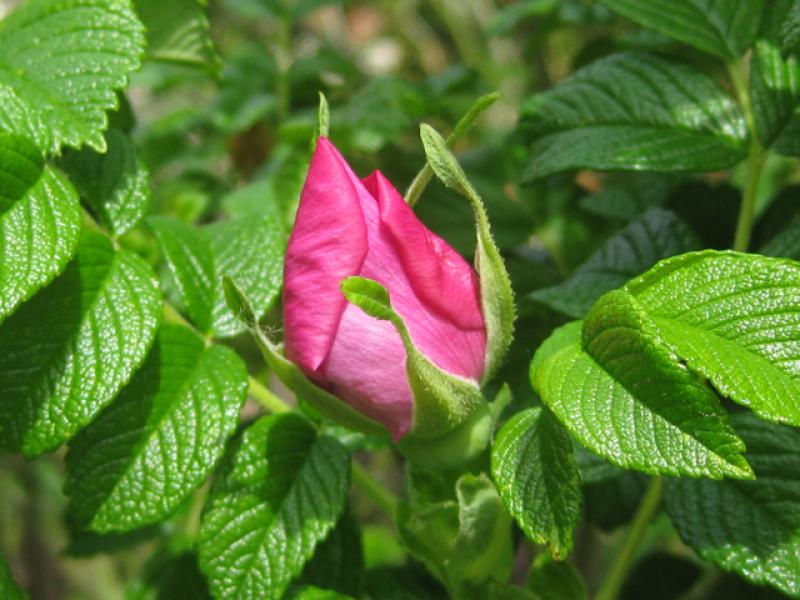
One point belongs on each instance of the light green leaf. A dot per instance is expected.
(634, 112)
(497, 296)
(327, 404)
(310, 592)
(9, 590)
(441, 400)
(280, 492)
(774, 93)
(614, 385)
(537, 478)
(724, 28)
(159, 440)
(735, 319)
(40, 222)
(249, 250)
(178, 31)
(69, 350)
(749, 527)
(191, 263)
(655, 235)
(115, 185)
(60, 65)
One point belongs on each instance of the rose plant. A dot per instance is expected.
(564, 363)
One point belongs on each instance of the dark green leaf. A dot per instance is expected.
(750, 527)
(338, 562)
(61, 65)
(634, 112)
(169, 577)
(660, 576)
(774, 93)
(556, 580)
(116, 184)
(68, 351)
(188, 256)
(625, 196)
(537, 478)
(178, 31)
(249, 250)
(611, 503)
(723, 28)
(408, 582)
(40, 222)
(785, 244)
(613, 384)
(790, 32)
(159, 440)
(655, 235)
(280, 492)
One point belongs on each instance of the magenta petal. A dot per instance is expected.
(440, 277)
(400, 257)
(328, 243)
(366, 367)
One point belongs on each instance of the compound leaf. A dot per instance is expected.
(160, 438)
(40, 222)
(61, 62)
(280, 492)
(634, 112)
(69, 350)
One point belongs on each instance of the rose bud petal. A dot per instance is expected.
(351, 227)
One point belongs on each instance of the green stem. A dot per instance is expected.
(283, 56)
(381, 496)
(755, 160)
(192, 524)
(744, 224)
(266, 397)
(464, 124)
(624, 560)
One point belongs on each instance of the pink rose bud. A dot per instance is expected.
(347, 226)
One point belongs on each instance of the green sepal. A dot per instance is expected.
(326, 404)
(459, 530)
(497, 296)
(442, 401)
